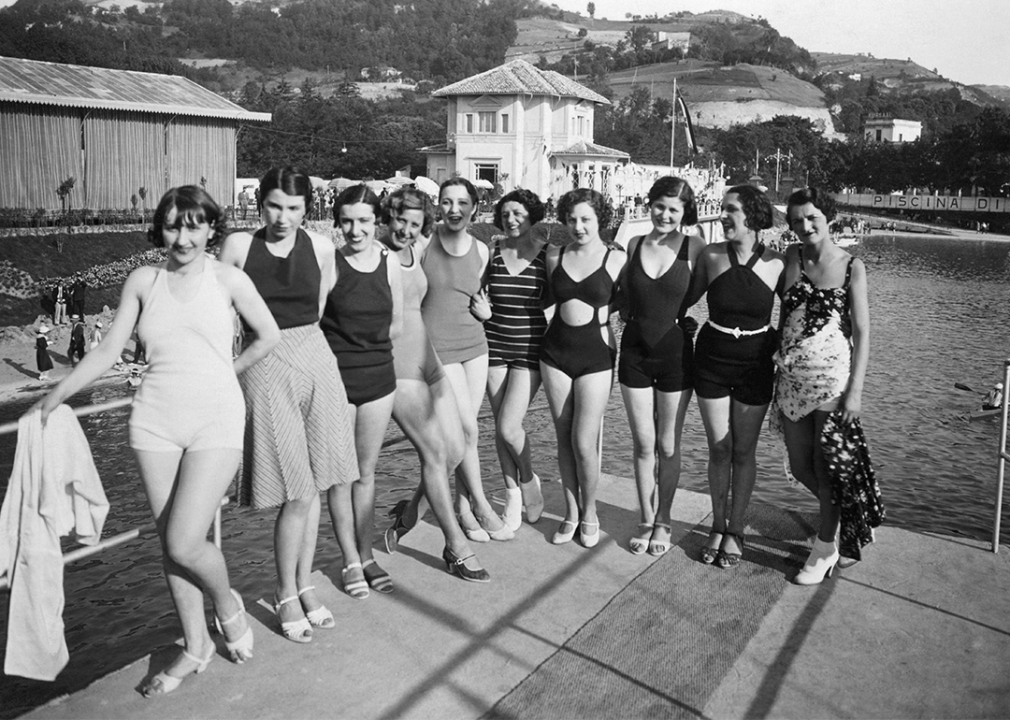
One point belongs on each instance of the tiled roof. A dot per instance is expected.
(587, 148)
(518, 77)
(45, 83)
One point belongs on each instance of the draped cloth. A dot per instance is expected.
(54, 490)
(853, 483)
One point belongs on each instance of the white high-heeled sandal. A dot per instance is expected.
(163, 683)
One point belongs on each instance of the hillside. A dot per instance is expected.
(724, 96)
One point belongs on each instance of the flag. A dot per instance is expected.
(688, 126)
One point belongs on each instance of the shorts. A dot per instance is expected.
(740, 368)
(668, 367)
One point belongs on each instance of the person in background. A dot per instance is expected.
(77, 343)
(59, 304)
(96, 336)
(734, 370)
(187, 419)
(515, 291)
(994, 398)
(299, 427)
(656, 369)
(42, 358)
(578, 353)
(80, 290)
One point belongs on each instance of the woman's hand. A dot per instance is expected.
(689, 325)
(852, 405)
(480, 306)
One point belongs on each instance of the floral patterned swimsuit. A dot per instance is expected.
(815, 352)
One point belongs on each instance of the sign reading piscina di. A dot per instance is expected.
(925, 202)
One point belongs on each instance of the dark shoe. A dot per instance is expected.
(457, 566)
(710, 551)
(725, 559)
(398, 529)
(377, 578)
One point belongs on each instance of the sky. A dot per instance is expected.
(965, 40)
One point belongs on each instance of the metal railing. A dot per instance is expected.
(124, 537)
(1003, 456)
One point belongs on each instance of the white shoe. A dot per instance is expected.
(820, 564)
(533, 499)
(513, 515)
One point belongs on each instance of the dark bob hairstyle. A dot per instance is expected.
(527, 199)
(193, 206)
(290, 181)
(464, 183)
(356, 194)
(584, 195)
(757, 208)
(408, 198)
(822, 201)
(674, 187)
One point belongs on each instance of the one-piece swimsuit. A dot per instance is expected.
(655, 352)
(517, 324)
(578, 350)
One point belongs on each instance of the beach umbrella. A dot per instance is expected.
(342, 183)
(482, 183)
(399, 180)
(426, 185)
(317, 182)
(377, 186)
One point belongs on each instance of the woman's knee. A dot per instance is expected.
(512, 432)
(721, 452)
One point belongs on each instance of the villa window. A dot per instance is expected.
(505, 123)
(468, 123)
(487, 122)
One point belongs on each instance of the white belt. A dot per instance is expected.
(737, 332)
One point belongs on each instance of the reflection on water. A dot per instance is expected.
(939, 316)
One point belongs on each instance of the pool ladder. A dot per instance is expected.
(124, 537)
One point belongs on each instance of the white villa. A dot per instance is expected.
(524, 127)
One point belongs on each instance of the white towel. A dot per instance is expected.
(54, 490)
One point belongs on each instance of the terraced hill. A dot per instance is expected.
(723, 96)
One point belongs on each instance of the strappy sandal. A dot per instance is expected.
(357, 587)
(727, 560)
(163, 683)
(659, 547)
(377, 578)
(639, 543)
(321, 617)
(710, 550)
(300, 630)
(242, 649)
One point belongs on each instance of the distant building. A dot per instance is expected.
(525, 127)
(887, 129)
(113, 132)
(672, 41)
(381, 73)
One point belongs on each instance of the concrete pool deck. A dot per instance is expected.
(920, 628)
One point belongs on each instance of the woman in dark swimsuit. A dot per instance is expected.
(656, 370)
(577, 355)
(733, 361)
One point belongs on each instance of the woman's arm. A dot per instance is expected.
(699, 279)
(326, 257)
(393, 275)
(622, 299)
(103, 357)
(859, 310)
(235, 249)
(257, 315)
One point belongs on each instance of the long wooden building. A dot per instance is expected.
(113, 132)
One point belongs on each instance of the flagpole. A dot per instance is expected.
(673, 122)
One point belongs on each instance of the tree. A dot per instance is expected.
(591, 9)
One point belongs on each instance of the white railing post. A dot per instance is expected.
(1001, 462)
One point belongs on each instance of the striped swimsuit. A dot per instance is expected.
(517, 322)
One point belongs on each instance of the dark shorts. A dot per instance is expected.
(740, 368)
(667, 367)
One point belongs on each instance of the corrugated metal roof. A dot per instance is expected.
(591, 149)
(46, 83)
(518, 77)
